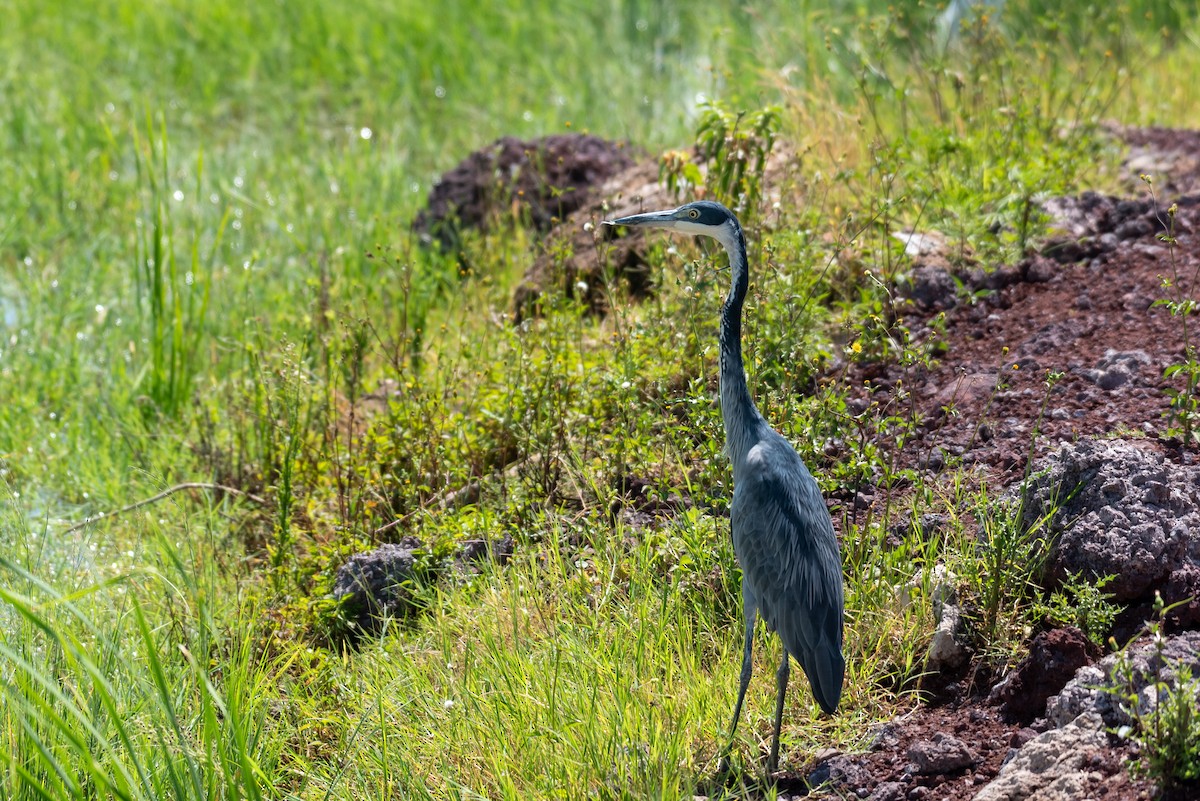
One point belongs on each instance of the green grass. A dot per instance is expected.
(206, 276)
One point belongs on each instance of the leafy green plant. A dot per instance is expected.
(1166, 720)
(890, 580)
(282, 400)
(1003, 566)
(968, 140)
(1010, 557)
(1083, 604)
(1185, 401)
(680, 173)
(735, 147)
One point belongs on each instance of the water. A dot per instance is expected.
(10, 306)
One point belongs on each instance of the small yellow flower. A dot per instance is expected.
(856, 347)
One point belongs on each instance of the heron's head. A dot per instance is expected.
(702, 217)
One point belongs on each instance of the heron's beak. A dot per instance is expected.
(652, 219)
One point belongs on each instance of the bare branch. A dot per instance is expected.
(169, 491)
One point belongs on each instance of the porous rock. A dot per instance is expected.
(840, 771)
(946, 651)
(930, 288)
(1092, 224)
(1114, 508)
(889, 791)
(943, 754)
(371, 585)
(1050, 767)
(1116, 368)
(965, 390)
(476, 551)
(1090, 692)
(1170, 155)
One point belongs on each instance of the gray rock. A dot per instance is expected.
(966, 390)
(889, 791)
(1134, 229)
(930, 288)
(1116, 368)
(371, 585)
(1050, 767)
(918, 245)
(943, 754)
(1115, 509)
(1042, 270)
(945, 651)
(1089, 693)
(944, 590)
(840, 771)
(927, 525)
(1049, 339)
(473, 552)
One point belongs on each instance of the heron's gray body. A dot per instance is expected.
(782, 533)
(791, 568)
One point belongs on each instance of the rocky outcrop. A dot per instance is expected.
(1095, 688)
(1054, 766)
(1114, 507)
(374, 585)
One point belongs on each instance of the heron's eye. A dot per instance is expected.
(694, 214)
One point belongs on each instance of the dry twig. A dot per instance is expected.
(200, 485)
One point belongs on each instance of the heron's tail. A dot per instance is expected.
(815, 640)
(825, 669)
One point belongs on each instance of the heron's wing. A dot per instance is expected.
(788, 552)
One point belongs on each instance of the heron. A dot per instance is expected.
(782, 532)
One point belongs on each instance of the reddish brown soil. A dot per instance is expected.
(989, 391)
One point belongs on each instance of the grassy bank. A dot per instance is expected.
(206, 277)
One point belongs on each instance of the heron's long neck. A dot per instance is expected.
(737, 407)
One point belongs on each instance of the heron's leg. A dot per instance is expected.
(750, 612)
(781, 679)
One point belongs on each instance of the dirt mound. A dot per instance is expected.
(541, 180)
(581, 255)
(1086, 309)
